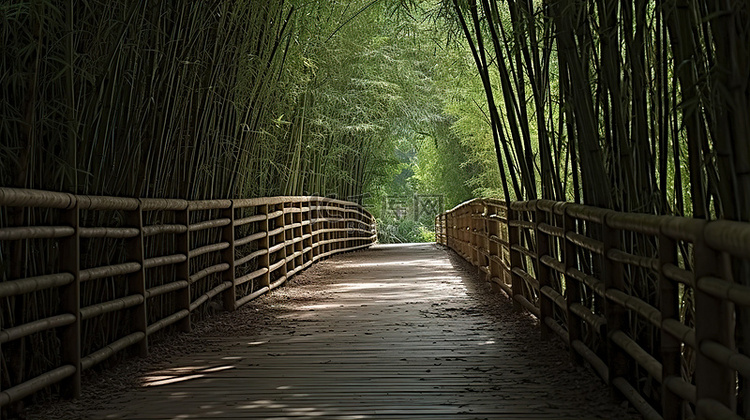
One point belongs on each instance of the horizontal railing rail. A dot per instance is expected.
(649, 302)
(162, 260)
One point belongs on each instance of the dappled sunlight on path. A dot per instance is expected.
(391, 332)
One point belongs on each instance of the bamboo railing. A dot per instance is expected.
(647, 301)
(178, 256)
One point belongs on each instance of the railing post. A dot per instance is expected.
(347, 225)
(572, 287)
(299, 260)
(466, 233)
(447, 227)
(182, 242)
(471, 235)
(341, 224)
(451, 231)
(443, 228)
(265, 260)
(70, 302)
(671, 404)
(613, 276)
(485, 223)
(137, 281)
(307, 230)
(314, 216)
(229, 296)
(461, 233)
(714, 323)
(284, 251)
(542, 271)
(494, 247)
(437, 230)
(475, 223)
(458, 232)
(514, 237)
(359, 217)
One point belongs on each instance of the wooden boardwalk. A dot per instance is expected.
(392, 332)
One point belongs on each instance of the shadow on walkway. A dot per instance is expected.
(393, 332)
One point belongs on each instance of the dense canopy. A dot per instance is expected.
(628, 105)
(635, 106)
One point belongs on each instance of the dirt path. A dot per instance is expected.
(391, 332)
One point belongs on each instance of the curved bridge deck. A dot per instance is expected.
(396, 331)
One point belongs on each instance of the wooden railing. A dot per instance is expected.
(647, 301)
(140, 265)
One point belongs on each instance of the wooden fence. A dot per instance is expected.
(647, 301)
(114, 271)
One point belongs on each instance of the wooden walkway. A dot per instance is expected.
(392, 332)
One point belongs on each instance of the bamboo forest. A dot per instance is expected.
(597, 148)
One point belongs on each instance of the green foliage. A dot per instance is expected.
(629, 106)
(392, 231)
(228, 98)
(195, 100)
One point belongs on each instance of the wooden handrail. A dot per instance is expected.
(575, 267)
(239, 249)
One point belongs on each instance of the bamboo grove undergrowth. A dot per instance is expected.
(152, 99)
(193, 100)
(635, 106)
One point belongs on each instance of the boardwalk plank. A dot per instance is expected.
(394, 332)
